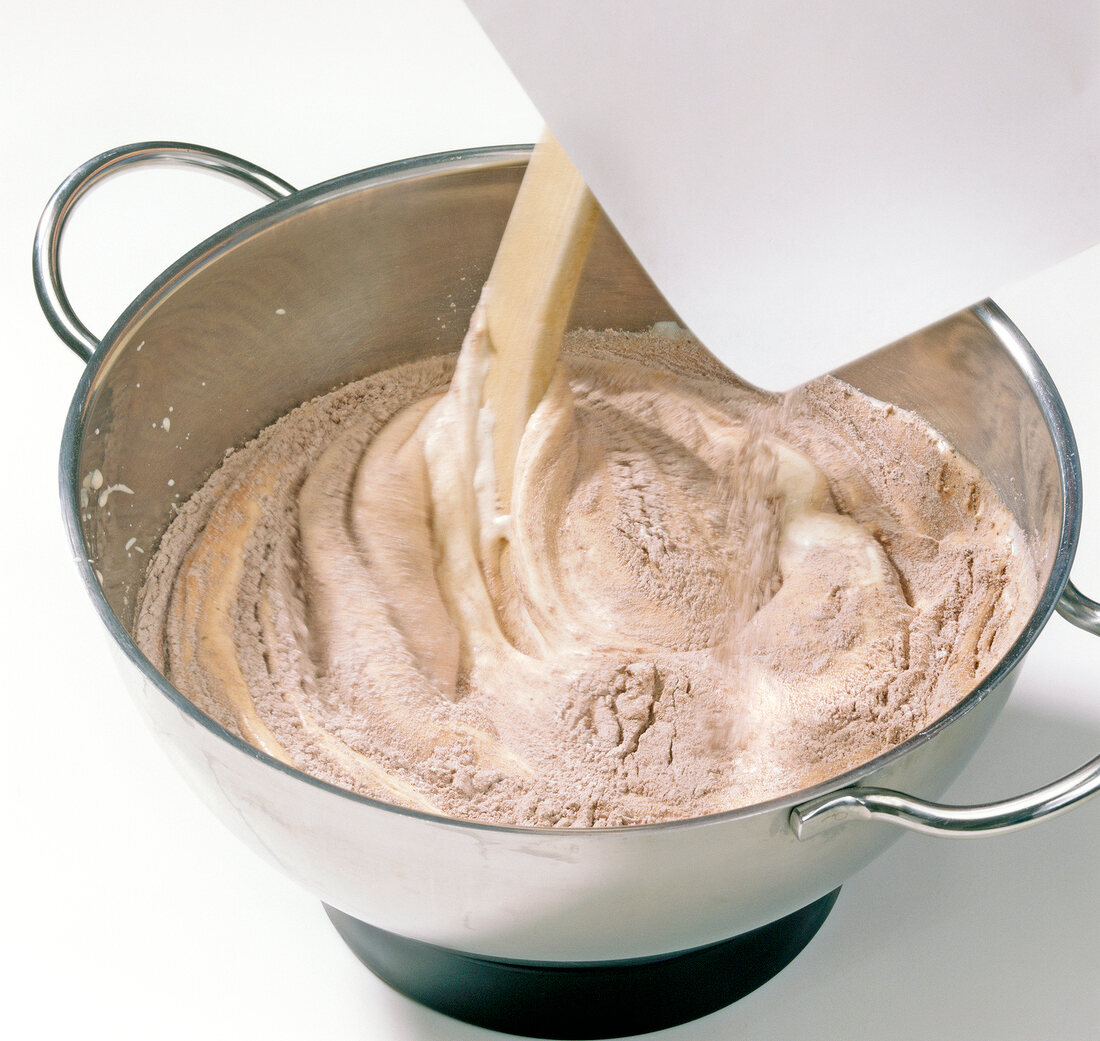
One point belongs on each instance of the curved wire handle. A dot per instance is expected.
(881, 804)
(47, 239)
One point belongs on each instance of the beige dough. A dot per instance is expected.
(701, 596)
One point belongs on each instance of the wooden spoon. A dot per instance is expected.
(529, 293)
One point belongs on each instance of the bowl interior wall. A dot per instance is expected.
(310, 295)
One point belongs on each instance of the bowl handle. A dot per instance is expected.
(47, 239)
(880, 804)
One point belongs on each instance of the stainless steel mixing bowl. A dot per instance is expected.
(325, 285)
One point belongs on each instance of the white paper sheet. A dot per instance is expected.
(809, 181)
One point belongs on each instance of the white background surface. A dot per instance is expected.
(127, 911)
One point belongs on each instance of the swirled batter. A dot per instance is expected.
(702, 596)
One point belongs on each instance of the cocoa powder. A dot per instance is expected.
(705, 597)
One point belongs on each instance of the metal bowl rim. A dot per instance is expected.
(444, 163)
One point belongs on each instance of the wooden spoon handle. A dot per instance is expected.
(529, 293)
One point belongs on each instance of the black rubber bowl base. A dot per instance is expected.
(583, 999)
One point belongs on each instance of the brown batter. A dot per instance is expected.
(703, 596)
